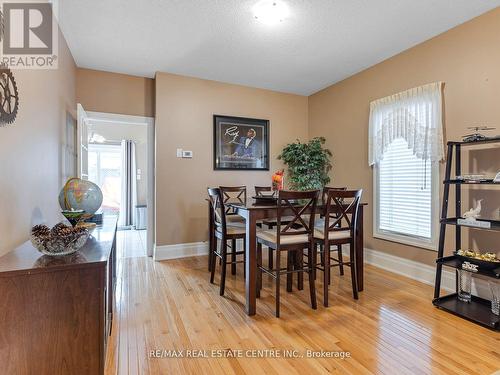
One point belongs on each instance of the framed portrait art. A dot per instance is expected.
(241, 143)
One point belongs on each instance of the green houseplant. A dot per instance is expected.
(308, 164)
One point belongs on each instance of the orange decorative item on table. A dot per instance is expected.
(278, 180)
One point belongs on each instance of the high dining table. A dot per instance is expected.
(252, 211)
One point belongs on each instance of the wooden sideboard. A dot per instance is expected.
(56, 312)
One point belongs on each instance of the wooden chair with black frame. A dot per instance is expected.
(291, 238)
(234, 194)
(271, 222)
(224, 233)
(320, 222)
(340, 226)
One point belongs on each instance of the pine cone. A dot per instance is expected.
(58, 229)
(40, 230)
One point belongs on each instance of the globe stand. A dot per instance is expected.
(73, 216)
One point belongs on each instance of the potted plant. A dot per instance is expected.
(308, 164)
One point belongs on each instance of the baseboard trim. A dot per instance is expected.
(421, 272)
(182, 250)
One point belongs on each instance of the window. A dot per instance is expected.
(105, 163)
(405, 146)
(406, 191)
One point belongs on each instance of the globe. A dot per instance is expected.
(78, 194)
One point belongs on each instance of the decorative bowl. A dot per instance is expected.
(483, 264)
(60, 240)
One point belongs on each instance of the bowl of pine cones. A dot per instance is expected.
(60, 240)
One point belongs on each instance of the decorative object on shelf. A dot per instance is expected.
(466, 266)
(473, 213)
(308, 164)
(495, 301)
(73, 216)
(486, 261)
(60, 240)
(278, 180)
(9, 95)
(241, 143)
(464, 285)
(78, 194)
(497, 178)
(477, 136)
(473, 177)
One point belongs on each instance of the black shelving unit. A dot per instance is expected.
(479, 309)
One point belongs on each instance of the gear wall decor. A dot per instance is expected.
(9, 97)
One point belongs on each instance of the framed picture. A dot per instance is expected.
(241, 143)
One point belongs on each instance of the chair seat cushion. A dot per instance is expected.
(271, 236)
(235, 221)
(332, 235)
(274, 221)
(232, 230)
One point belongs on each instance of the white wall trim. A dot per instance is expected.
(182, 250)
(421, 272)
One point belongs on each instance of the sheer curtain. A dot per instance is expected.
(414, 115)
(129, 185)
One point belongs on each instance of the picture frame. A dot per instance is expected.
(240, 143)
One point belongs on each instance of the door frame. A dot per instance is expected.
(117, 119)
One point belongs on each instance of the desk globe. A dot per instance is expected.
(80, 195)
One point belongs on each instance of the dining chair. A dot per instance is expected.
(234, 194)
(340, 226)
(291, 238)
(270, 222)
(260, 189)
(320, 222)
(224, 233)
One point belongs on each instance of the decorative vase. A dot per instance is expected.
(464, 279)
(495, 301)
(278, 180)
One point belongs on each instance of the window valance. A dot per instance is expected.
(414, 115)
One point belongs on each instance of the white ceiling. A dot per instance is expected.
(321, 42)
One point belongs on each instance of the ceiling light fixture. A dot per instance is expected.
(270, 12)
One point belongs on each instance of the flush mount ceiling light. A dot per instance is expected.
(270, 12)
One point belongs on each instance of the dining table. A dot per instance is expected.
(253, 210)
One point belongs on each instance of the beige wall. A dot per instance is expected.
(467, 59)
(31, 152)
(184, 110)
(115, 93)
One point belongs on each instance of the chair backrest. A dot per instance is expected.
(326, 189)
(303, 207)
(218, 210)
(259, 189)
(324, 196)
(235, 194)
(341, 210)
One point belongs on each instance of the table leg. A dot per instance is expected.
(251, 263)
(360, 249)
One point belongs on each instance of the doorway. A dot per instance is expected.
(105, 164)
(117, 154)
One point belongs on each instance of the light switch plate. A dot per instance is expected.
(179, 152)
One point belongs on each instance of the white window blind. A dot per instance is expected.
(404, 193)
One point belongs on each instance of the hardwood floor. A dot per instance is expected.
(392, 329)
